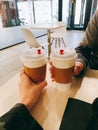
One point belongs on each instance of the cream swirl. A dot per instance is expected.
(63, 53)
(34, 57)
(63, 57)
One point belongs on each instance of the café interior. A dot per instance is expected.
(42, 18)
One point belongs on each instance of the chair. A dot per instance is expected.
(31, 39)
(58, 35)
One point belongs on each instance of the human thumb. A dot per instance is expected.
(42, 85)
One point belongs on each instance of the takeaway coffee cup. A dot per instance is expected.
(35, 61)
(63, 60)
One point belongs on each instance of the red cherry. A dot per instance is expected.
(61, 51)
(39, 51)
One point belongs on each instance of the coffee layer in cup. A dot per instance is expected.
(36, 74)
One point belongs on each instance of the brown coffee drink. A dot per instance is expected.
(36, 74)
(35, 62)
(63, 75)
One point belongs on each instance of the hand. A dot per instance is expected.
(78, 68)
(51, 69)
(29, 91)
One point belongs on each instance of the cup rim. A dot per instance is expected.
(61, 59)
(44, 57)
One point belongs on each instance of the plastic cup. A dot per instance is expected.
(35, 62)
(63, 60)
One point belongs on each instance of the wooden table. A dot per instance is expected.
(49, 109)
(48, 27)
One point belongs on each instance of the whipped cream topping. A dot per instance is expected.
(63, 53)
(34, 57)
(63, 58)
(33, 53)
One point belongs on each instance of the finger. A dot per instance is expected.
(23, 75)
(21, 72)
(51, 76)
(50, 62)
(41, 85)
(76, 71)
(21, 69)
(51, 69)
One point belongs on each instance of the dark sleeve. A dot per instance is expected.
(77, 115)
(93, 124)
(18, 118)
(83, 54)
(88, 43)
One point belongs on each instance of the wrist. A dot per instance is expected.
(26, 103)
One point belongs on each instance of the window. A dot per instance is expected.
(25, 12)
(38, 11)
(80, 12)
(66, 9)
